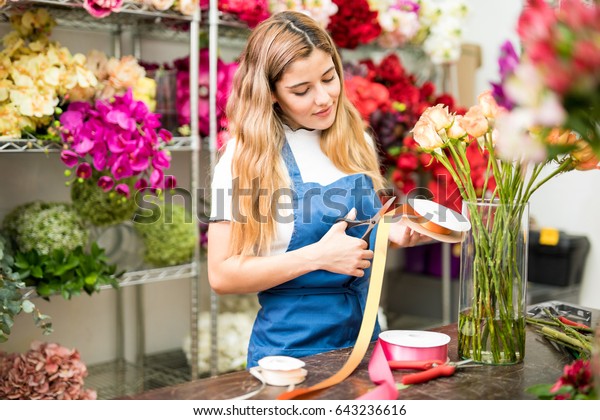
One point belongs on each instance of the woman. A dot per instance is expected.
(299, 159)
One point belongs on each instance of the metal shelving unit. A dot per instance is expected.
(142, 21)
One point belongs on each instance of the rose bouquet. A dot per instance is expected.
(491, 319)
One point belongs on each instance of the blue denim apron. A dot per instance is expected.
(318, 311)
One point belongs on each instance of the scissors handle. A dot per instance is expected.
(414, 364)
(354, 223)
(427, 375)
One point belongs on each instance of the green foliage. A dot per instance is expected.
(169, 235)
(98, 207)
(12, 301)
(45, 227)
(66, 273)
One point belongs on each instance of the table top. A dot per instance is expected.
(543, 363)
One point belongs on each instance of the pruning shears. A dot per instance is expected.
(432, 369)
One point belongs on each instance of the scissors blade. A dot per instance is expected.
(375, 219)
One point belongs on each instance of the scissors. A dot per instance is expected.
(432, 369)
(372, 222)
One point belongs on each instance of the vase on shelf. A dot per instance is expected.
(493, 283)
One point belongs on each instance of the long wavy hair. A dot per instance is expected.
(257, 126)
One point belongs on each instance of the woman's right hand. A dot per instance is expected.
(340, 253)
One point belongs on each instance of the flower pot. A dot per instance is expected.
(493, 283)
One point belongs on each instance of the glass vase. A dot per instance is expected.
(493, 283)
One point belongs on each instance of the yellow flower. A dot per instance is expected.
(9, 121)
(145, 91)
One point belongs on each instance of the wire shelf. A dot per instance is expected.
(71, 14)
(157, 274)
(8, 145)
(120, 378)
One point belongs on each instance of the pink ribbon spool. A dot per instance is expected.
(414, 345)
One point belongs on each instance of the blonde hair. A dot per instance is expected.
(258, 129)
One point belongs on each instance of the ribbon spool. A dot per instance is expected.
(276, 371)
(282, 370)
(434, 220)
(414, 345)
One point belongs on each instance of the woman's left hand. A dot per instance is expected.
(402, 236)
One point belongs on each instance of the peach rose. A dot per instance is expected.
(474, 122)
(585, 158)
(456, 131)
(561, 137)
(439, 116)
(426, 136)
(489, 107)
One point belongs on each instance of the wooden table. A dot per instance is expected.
(543, 364)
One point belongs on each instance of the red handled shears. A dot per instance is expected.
(432, 369)
(372, 222)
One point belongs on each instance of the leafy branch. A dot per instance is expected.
(12, 299)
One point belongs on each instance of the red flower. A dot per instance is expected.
(577, 375)
(366, 95)
(354, 23)
(391, 69)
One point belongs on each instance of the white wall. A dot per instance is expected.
(569, 202)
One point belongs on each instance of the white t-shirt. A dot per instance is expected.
(313, 164)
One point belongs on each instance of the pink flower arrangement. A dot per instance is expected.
(120, 138)
(225, 72)
(102, 8)
(47, 371)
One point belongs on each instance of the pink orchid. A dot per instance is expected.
(119, 138)
(69, 158)
(123, 189)
(84, 170)
(106, 183)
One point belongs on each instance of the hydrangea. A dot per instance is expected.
(47, 371)
(45, 227)
(232, 347)
(168, 234)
